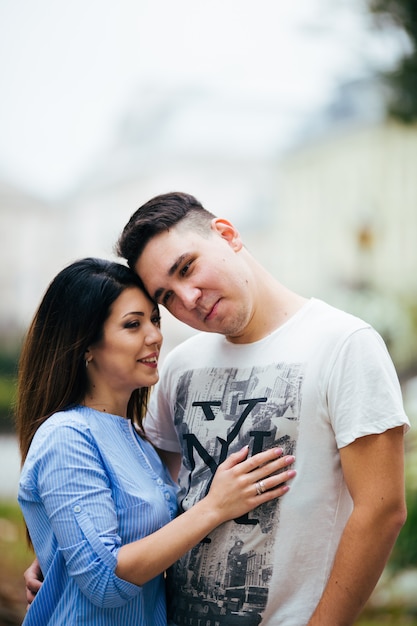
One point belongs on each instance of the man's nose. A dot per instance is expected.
(189, 297)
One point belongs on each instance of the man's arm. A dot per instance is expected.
(373, 468)
(33, 580)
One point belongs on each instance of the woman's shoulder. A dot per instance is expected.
(58, 423)
(62, 431)
(74, 414)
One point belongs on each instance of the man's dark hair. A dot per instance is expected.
(158, 215)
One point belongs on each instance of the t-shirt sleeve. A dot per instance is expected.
(364, 393)
(159, 421)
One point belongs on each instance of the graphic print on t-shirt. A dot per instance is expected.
(224, 580)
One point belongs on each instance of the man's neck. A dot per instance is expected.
(278, 305)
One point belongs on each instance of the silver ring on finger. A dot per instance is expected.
(260, 487)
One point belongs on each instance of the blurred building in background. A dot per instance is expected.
(345, 224)
(180, 141)
(334, 216)
(347, 201)
(161, 146)
(32, 234)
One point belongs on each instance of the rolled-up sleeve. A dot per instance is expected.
(74, 489)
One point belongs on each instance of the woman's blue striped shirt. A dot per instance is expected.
(88, 486)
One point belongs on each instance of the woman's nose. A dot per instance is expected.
(154, 335)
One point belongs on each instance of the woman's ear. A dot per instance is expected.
(227, 231)
(88, 357)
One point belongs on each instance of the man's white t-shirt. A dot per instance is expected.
(317, 383)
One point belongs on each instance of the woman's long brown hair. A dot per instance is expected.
(52, 374)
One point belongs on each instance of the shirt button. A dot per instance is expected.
(159, 481)
(167, 496)
(77, 509)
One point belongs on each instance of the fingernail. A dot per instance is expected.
(289, 459)
(278, 451)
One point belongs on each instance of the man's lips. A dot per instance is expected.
(212, 311)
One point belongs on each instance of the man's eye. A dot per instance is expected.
(167, 297)
(185, 269)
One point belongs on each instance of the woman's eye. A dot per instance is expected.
(157, 321)
(133, 324)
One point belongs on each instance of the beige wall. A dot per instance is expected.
(347, 210)
(336, 211)
(32, 244)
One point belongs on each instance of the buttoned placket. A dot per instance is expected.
(167, 494)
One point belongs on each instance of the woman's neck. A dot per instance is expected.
(105, 405)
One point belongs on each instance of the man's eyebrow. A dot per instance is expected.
(175, 265)
(158, 293)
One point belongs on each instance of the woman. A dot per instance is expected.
(99, 505)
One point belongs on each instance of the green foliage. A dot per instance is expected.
(10, 510)
(403, 80)
(386, 618)
(15, 552)
(8, 364)
(403, 13)
(7, 399)
(404, 553)
(403, 83)
(15, 558)
(8, 375)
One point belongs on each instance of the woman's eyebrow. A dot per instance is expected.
(134, 313)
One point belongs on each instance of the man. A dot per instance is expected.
(270, 368)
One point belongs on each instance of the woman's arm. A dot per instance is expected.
(232, 494)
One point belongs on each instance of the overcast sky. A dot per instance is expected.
(69, 70)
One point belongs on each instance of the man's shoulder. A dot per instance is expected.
(197, 351)
(332, 317)
(196, 342)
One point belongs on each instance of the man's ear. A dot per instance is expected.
(227, 231)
